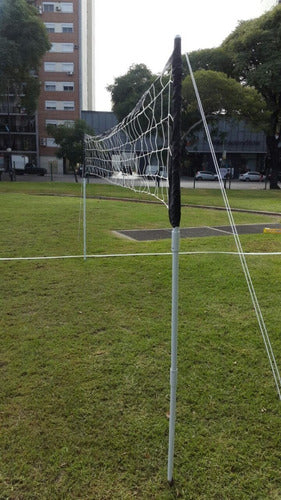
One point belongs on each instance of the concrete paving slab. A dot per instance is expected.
(194, 232)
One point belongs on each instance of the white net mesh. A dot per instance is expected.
(136, 152)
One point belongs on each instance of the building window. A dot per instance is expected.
(50, 104)
(48, 7)
(60, 105)
(50, 86)
(49, 66)
(50, 27)
(67, 67)
(68, 105)
(67, 7)
(59, 67)
(62, 47)
(67, 47)
(68, 87)
(59, 27)
(59, 86)
(67, 28)
(51, 122)
(69, 123)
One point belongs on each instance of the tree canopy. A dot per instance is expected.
(222, 96)
(255, 48)
(23, 42)
(127, 89)
(215, 59)
(70, 139)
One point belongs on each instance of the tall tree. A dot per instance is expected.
(127, 89)
(221, 97)
(215, 59)
(70, 139)
(255, 48)
(23, 42)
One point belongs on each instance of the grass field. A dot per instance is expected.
(85, 351)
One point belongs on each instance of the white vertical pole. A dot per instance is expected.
(84, 218)
(174, 346)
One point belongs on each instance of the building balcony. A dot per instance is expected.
(11, 110)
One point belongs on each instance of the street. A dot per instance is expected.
(186, 182)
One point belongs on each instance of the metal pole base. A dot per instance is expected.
(174, 341)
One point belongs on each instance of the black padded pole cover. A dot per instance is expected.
(174, 167)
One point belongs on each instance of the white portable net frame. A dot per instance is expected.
(136, 152)
(144, 149)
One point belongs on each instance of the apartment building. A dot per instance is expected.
(67, 72)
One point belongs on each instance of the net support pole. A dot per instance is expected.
(84, 219)
(84, 201)
(174, 216)
(174, 342)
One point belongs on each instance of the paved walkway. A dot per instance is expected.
(194, 232)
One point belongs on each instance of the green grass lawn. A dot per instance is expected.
(85, 352)
(257, 200)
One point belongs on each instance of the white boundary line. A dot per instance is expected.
(160, 254)
(219, 230)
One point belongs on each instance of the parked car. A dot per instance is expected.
(251, 176)
(33, 169)
(205, 175)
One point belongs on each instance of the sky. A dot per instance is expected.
(142, 32)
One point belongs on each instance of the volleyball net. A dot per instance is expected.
(136, 153)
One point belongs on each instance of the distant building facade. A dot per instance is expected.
(236, 144)
(100, 121)
(67, 74)
(67, 77)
